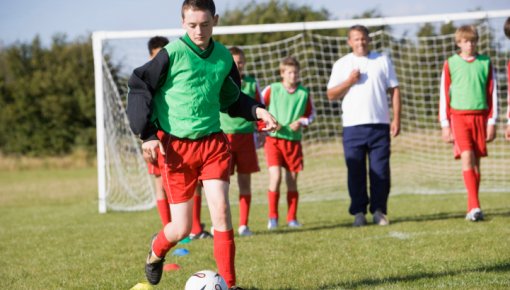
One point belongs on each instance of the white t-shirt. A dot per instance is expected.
(366, 102)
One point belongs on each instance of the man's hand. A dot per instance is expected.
(447, 135)
(491, 133)
(395, 128)
(268, 119)
(149, 150)
(354, 76)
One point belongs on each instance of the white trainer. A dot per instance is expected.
(244, 231)
(380, 218)
(474, 215)
(272, 224)
(359, 220)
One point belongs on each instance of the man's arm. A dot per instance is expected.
(142, 86)
(339, 92)
(397, 105)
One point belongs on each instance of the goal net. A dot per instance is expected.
(420, 162)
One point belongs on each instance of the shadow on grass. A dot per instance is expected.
(377, 282)
(450, 215)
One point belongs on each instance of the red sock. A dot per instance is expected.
(224, 253)
(164, 211)
(478, 179)
(470, 181)
(196, 227)
(244, 209)
(292, 202)
(161, 245)
(273, 197)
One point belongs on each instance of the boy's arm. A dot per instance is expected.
(142, 86)
(234, 102)
(309, 114)
(492, 97)
(444, 97)
(397, 109)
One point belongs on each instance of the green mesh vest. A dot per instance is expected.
(287, 108)
(187, 105)
(468, 82)
(231, 125)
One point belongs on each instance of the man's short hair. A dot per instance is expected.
(507, 27)
(467, 32)
(359, 28)
(205, 5)
(234, 50)
(289, 61)
(157, 42)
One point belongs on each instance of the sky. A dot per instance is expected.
(22, 20)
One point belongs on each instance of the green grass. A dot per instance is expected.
(52, 237)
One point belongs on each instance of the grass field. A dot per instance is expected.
(52, 237)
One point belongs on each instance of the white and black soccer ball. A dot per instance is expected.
(206, 280)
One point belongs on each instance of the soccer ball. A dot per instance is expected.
(206, 280)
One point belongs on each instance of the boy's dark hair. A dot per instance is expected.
(206, 5)
(359, 28)
(157, 42)
(507, 27)
(288, 61)
(234, 50)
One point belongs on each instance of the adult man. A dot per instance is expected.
(362, 80)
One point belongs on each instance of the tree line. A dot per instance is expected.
(47, 104)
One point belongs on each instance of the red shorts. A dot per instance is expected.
(244, 154)
(284, 153)
(469, 133)
(187, 161)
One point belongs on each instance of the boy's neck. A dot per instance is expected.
(467, 55)
(289, 87)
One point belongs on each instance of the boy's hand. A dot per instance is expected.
(149, 150)
(491, 133)
(294, 126)
(507, 132)
(447, 135)
(268, 119)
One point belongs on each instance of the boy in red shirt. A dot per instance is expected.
(154, 45)
(468, 110)
(292, 107)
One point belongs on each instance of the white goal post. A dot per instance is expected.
(421, 163)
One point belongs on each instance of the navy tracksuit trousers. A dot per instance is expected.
(372, 141)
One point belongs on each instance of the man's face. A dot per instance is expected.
(358, 41)
(240, 62)
(199, 26)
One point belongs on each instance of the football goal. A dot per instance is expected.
(420, 162)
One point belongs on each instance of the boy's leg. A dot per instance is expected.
(355, 152)
(168, 238)
(379, 167)
(196, 227)
(292, 195)
(216, 192)
(244, 181)
(471, 180)
(273, 193)
(162, 201)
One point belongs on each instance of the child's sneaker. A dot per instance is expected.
(201, 235)
(475, 215)
(154, 268)
(294, 224)
(272, 224)
(244, 231)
